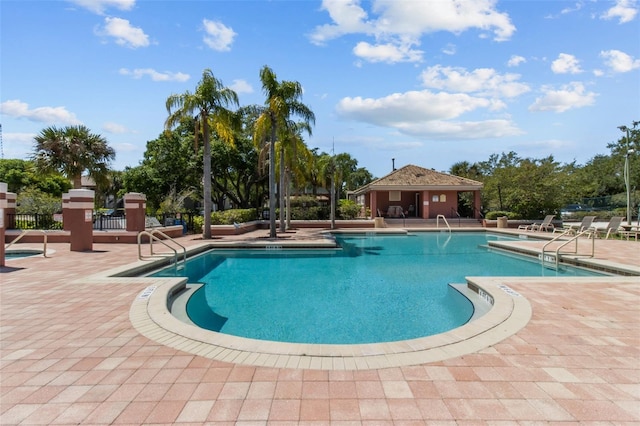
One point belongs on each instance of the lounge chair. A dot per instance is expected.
(545, 225)
(610, 229)
(582, 226)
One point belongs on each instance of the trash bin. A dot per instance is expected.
(378, 222)
(503, 222)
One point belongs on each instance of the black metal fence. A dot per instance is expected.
(34, 221)
(102, 222)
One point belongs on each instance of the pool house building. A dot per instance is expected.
(413, 191)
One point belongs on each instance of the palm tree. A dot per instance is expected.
(72, 150)
(208, 105)
(293, 159)
(283, 101)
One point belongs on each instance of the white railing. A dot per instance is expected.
(556, 256)
(166, 239)
(27, 232)
(444, 219)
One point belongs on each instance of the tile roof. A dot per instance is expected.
(414, 176)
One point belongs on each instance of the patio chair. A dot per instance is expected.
(611, 228)
(584, 225)
(546, 224)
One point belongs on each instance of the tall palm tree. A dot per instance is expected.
(283, 101)
(72, 150)
(293, 159)
(208, 105)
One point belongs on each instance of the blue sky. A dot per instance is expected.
(426, 82)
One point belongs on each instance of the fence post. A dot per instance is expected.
(80, 214)
(135, 205)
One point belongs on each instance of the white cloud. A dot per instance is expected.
(218, 36)
(449, 49)
(124, 33)
(110, 127)
(397, 26)
(99, 6)
(386, 53)
(425, 114)
(241, 86)
(48, 115)
(624, 10)
(516, 60)
(566, 64)
(619, 61)
(18, 145)
(481, 81)
(570, 96)
(155, 75)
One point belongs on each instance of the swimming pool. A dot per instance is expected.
(377, 288)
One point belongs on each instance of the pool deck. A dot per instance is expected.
(70, 354)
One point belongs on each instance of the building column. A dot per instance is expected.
(135, 205)
(80, 219)
(65, 211)
(373, 203)
(477, 204)
(426, 200)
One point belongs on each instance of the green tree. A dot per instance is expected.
(282, 102)
(208, 104)
(73, 150)
(22, 174)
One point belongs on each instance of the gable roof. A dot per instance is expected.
(412, 177)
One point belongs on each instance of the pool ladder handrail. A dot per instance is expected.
(26, 232)
(152, 237)
(588, 232)
(441, 216)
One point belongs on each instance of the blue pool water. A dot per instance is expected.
(376, 289)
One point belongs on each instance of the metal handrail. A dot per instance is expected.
(441, 216)
(588, 232)
(26, 232)
(153, 237)
(454, 211)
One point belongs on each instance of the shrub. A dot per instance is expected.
(348, 209)
(493, 215)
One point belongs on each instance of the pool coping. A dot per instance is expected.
(151, 315)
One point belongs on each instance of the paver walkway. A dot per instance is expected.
(69, 355)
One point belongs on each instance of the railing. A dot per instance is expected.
(32, 221)
(152, 237)
(26, 232)
(102, 222)
(454, 214)
(441, 216)
(556, 257)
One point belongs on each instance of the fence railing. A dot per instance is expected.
(101, 222)
(44, 221)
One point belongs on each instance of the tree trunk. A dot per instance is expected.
(272, 182)
(206, 176)
(288, 186)
(281, 189)
(77, 181)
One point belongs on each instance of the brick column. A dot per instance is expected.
(80, 219)
(3, 219)
(10, 211)
(135, 205)
(65, 212)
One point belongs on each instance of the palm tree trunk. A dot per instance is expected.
(272, 183)
(206, 175)
(288, 186)
(282, 188)
(77, 181)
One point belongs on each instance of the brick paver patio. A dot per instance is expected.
(70, 355)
